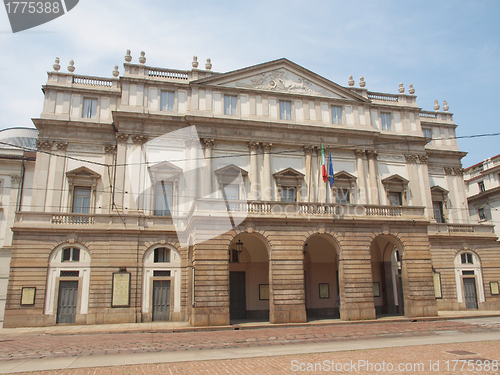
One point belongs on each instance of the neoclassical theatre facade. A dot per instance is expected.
(190, 195)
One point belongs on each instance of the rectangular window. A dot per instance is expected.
(81, 200)
(289, 194)
(386, 121)
(427, 132)
(89, 108)
(285, 110)
(481, 213)
(231, 192)
(167, 101)
(70, 254)
(342, 196)
(480, 184)
(438, 212)
(336, 115)
(395, 199)
(163, 198)
(466, 258)
(162, 255)
(230, 102)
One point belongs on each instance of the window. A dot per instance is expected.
(285, 110)
(482, 214)
(167, 101)
(427, 132)
(342, 196)
(230, 102)
(163, 198)
(89, 108)
(386, 121)
(231, 192)
(438, 212)
(81, 200)
(289, 194)
(466, 258)
(162, 255)
(336, 115)
(481, 186)
(395, 199)
(70, 254)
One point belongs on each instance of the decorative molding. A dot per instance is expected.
(110, 149)
(448, 171)
(267, 147)
(208, 142)
(84, 147)
(253, 146)
(458, 171)
(62, 146)
(15, 179)
(423, 159)
(139, 138)
(43, 144)
(392, 158)
(436, 170)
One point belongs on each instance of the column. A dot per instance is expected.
(206, 183)
(453, 213)
(307, 153)
(360, 169)
(314, 175)
(254, 172)
(372, 172)
(135, 201)
(266, 183)
(463, 208)
(110, 154)
(121, 159)
(321, 184)
(414, 197)
(425, 186)
(41, 175)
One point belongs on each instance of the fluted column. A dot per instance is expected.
(372, 171)
(360, 169)
(425, 186)
(307, 153)
(41, 175)
(253, 175)
(206, 183)
(135, 201)
(266, 183)
(414, 198)
(121, 156)
(314, 175)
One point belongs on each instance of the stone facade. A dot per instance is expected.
(198, 196)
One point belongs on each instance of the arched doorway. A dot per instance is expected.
(469, 279)
(68, 284)
(387, 275)
(248, 278)
(321, 278)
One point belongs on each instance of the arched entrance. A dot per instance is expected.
(248, 278)
(387, 275)
(321, 277)
(469, 279)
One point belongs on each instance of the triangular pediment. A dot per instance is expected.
(395, 179)
(83, 172)
(281, 76)
(164, 171)
(288, 172)
(343, 175)
(438, 190)
(231, 170)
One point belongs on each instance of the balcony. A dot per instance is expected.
(467, 230)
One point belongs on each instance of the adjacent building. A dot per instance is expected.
(483, 191)
(268, 192)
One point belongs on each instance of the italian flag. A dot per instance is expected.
(323, 166)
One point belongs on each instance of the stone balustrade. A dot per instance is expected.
(461, 229)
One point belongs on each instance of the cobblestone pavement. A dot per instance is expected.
(30, 346)
(459, 358)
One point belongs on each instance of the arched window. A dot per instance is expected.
(469, 279)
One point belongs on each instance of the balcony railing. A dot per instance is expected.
(461, 229)
(383, 97)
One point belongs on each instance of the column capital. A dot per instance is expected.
(448, 171)
(359, 153)
(139, 138)
(458, 171)
(44, 144)
(267, 147)
(423, 159)
(253, 146)
(411, 159)
(208, 142)
(307, 149)
(15, 179)
(110, 149)
(62, 146)
(371, 154)
(122, 137)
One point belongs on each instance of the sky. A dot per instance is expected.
(448, 49)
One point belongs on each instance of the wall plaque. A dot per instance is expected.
(28, 296)
(121, 290)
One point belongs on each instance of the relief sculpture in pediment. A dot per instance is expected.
(280, 80)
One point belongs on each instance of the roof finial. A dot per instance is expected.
(142, 59)
(436, 105)
(116, 73)
(71, 66)
(208, 65)
(351, 81)
(445, 106)
(401, 88)
(411, 90)
(195, 64)
(128, 56)
(56, 66)
(362, 82)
